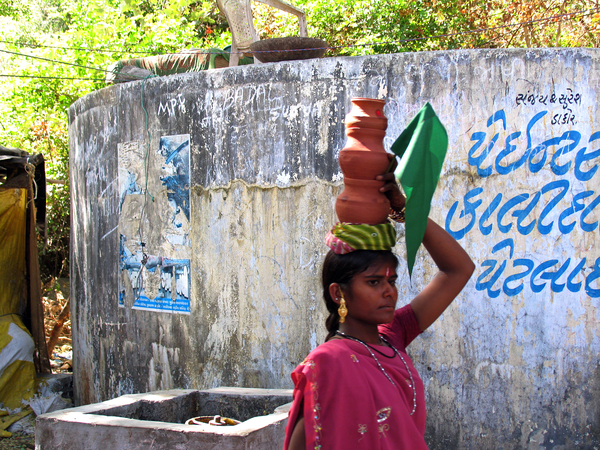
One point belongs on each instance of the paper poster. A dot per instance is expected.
(154, 225)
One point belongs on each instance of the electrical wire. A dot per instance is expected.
(84, 49)
(149, 141)
(140, 280)
(55, 61)
(440, 36)
(50, 78)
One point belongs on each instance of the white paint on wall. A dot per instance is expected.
(283, 179)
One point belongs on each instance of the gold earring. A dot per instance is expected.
(342, 310)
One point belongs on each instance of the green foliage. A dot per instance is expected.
(14, 9)
(391, 26)
(54, 255)
(33, 110)
(49, 137)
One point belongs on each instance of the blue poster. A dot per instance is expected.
(154, 224)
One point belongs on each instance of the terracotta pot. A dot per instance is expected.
(366, 113)
(367, 139)
(361, 202)
(361, 164)
(361, 160)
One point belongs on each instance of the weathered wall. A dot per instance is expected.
(512, 364)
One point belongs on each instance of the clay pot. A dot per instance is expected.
(366, 113)
(365, 128)
(361, 202)
(360, 164)
(366, 139)
(361, 160)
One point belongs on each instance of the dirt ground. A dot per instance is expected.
(18, 441)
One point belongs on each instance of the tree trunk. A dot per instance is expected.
(58, 326)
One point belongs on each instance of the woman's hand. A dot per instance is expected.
(391, 188)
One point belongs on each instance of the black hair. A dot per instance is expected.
(341, 269)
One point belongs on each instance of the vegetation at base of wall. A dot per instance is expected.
(91, 35)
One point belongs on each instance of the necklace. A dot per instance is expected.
(396, 352)
(341, 333)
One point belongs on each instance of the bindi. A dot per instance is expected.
(387, 272)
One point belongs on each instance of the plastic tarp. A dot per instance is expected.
(194, 60)
(17, 370)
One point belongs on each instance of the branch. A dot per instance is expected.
(58, 326)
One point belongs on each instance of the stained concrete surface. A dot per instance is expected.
(512, 364)
(157, 420)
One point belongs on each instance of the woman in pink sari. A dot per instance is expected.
(360, 390)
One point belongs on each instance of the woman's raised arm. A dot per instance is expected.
(455, 269)
(454, 264)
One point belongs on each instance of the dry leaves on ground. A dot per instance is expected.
(18, 441)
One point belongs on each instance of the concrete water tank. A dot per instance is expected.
(200, 203)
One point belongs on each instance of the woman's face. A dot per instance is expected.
(373, 295)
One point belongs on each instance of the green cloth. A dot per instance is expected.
(348, 237)
(422, 148)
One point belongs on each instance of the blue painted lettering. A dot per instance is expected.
(469, 209)
(505, 228)
(558, 184)
(576, 206)
(589, 226)
(517, 276)
(595, 293)
(521, 215)
(487, 229)
(582, 157)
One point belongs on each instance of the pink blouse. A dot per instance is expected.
(348, 401)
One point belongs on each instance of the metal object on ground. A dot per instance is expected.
(212, 420)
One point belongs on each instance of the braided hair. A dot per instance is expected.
(341, 269)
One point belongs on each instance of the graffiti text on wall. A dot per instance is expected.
(558, 206)
(565, 99)
(171, 106)
(533, 158)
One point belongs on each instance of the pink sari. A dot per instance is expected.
(349, 404)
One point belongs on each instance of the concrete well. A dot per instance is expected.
(157, 420)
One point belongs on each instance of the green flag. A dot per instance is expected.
(422, 148)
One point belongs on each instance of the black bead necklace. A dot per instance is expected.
(396, 352)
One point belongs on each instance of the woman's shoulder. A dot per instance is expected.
(333, 348)
(327, 354)
(403, 329)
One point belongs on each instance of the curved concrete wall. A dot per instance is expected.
(241, 173)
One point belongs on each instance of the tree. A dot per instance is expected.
(88, 36)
